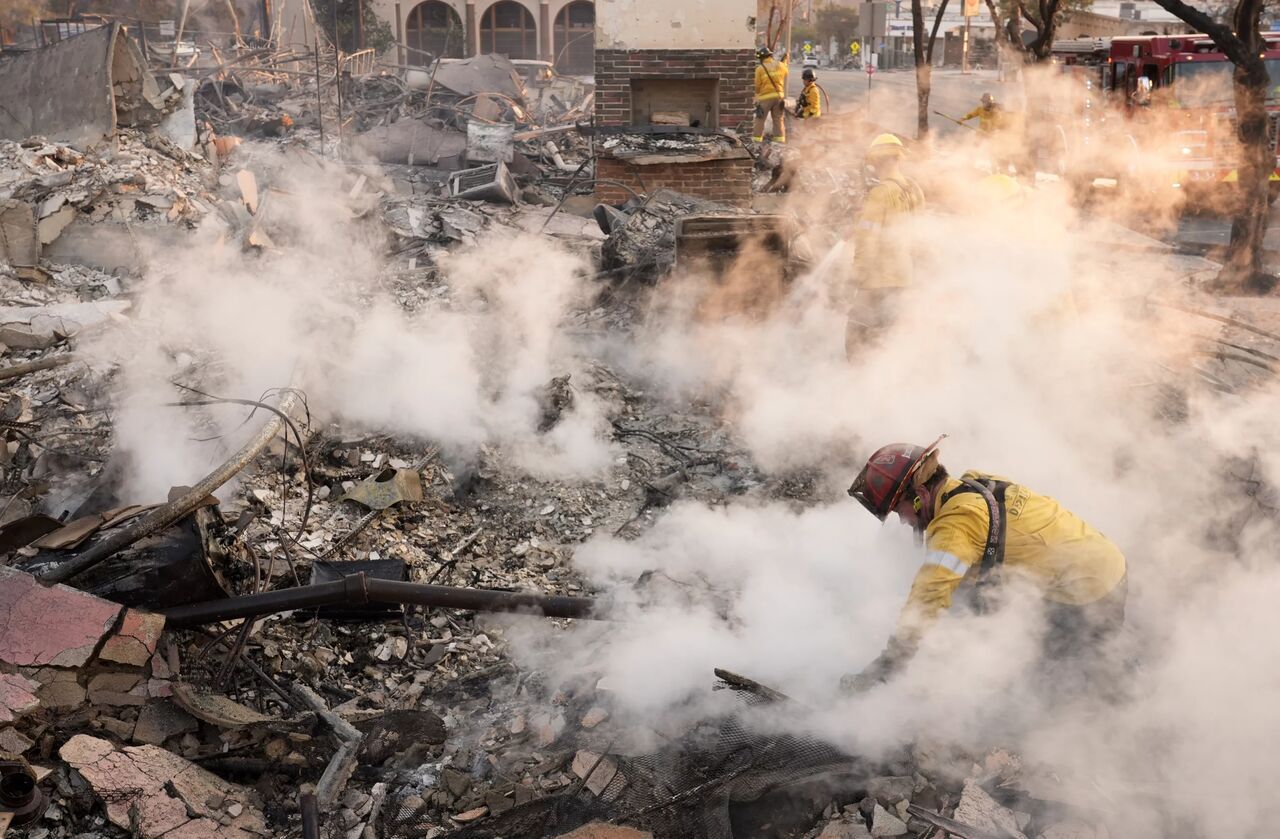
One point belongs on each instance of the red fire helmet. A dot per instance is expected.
(880, 484)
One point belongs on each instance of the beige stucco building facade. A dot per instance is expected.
(561, 31)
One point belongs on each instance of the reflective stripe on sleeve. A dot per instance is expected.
(947, 561)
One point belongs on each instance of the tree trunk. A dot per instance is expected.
(1243, 270)
(924, 85)
(922, 68)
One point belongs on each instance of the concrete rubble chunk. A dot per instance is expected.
(161, 719)
(890, 789)
(14, 741)
(601, 830)
(160, 792)
(52, 225)
(1069, 829)
(603, 775)
(846, 828)
(979, 810)
(60, 690)
(37, 327)
(55, 626)
(884, 823)
(19, 242)
(115, 689)
(135, 642)
(17, 696)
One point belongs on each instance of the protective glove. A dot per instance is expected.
(896, 653)
(759, 111)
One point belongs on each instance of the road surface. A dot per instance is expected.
(893, 96)
(893, 105)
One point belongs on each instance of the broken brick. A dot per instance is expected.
(160, 720)
(56, 626)
(14, 741)
(59, 690)
(114, 689)
(135, 642)
(17, 696)
(166, 795)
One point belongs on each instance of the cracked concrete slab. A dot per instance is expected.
(135, 642)
(56, 626)
(162, 793)
(17, 696)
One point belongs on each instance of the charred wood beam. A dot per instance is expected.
(960, 830)
(48, 363)
(358, 589)
(343, 762)
(163, 516)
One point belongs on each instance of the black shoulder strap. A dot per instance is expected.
(992, 493)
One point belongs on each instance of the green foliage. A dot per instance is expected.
(378, 34)
(838, 21)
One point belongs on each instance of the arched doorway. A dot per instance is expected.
(575, 38)
(433, 27)
(508, 28)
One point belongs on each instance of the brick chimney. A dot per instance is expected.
(670, 75)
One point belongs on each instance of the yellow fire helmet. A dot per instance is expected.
(886, 144)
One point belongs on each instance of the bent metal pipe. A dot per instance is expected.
(357, 589)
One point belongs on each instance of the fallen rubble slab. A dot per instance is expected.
(78, 90)
(17, 696)
(481, 74)
(56, 626)
(160, 794)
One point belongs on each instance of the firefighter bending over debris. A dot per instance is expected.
(771, 90)
(882, 258)
(809, 102)
(990, 115)
(980, 531)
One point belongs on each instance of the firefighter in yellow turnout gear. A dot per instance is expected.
(991, 117)
(771, 91)
(981, 531)
(882, 259)
(809, 102)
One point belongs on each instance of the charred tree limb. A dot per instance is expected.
(47, 363)
(167, 514)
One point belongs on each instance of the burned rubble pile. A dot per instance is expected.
(317, 639)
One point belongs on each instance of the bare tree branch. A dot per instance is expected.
(1220, 33)
(933, 33)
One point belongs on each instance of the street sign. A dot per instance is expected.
(872, 17)
(870, 68)
(972, 8)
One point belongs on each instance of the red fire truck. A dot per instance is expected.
(1159, 110)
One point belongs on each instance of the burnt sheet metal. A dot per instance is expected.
(386, 488)
(487, 73)
(176, 566)
(78, 91)
(485, 183)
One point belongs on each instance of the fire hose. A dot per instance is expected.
(358, 589)
(956, 121)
